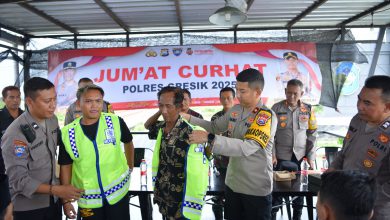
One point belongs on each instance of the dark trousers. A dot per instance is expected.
(118, 211)
(218, 201)
(53, 212)
(297, 203)
(240, 206)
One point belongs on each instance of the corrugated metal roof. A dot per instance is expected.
(53, 17)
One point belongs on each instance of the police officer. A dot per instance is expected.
(367, 143)
(67, 90)
(295, 135)
(91, 158)
(226, 98)
(251, 128)
(291, 61)
(74, 110)
(11, 98)
(29, 149)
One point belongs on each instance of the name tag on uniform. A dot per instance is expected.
(110, 136)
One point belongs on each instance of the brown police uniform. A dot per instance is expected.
(367, 148)
(296, 131)
(249, 146)
(30, 161)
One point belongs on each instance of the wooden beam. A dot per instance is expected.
(364, 13)
(307, 11)
(113, 16)
(47, 17)
(178, 14)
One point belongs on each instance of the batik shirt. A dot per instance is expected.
(168, 191)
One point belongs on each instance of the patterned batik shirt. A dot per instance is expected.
(168, 191)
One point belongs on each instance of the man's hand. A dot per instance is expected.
(198, 137)
(69, 210)
(185, 116)
(274, 161)
(67, 192)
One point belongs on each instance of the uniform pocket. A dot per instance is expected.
(39, 156)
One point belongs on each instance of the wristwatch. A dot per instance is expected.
(210, 138)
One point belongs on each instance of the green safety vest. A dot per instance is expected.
(196, 171)
(99, 166)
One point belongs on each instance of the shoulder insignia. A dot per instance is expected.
(260, 129)
(385, 125)
(255, 110)
(263, 117)
(20, 148)
(233, 114)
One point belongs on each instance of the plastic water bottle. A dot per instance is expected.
(144, 168)
(304, 168)
(325, 164)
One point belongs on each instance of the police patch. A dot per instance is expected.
(282, 118)
(368, 163)
(372, 153)
(260, 129)
(20, 150)
(383, 138)
(263, 117)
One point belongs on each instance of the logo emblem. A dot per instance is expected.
(189, 51)
(368, 163)
(164, 52)
(263, 118)
(383, 138)
(20, 150)
(177, 51)
(233, 114)
(151, 53)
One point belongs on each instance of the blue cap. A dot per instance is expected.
(69, 65)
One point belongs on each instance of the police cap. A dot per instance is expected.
(69, 65)
(288, 55)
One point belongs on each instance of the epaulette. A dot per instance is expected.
(385, 126)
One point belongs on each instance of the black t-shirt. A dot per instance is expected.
(90, 132)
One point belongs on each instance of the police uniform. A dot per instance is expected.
(66, 93)
(286, 76)
(5, 120)
(249, 146)
(296, 131)
(295, 137)
(367, 148)
(29, 156)
(74, 111)
(220, 163)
